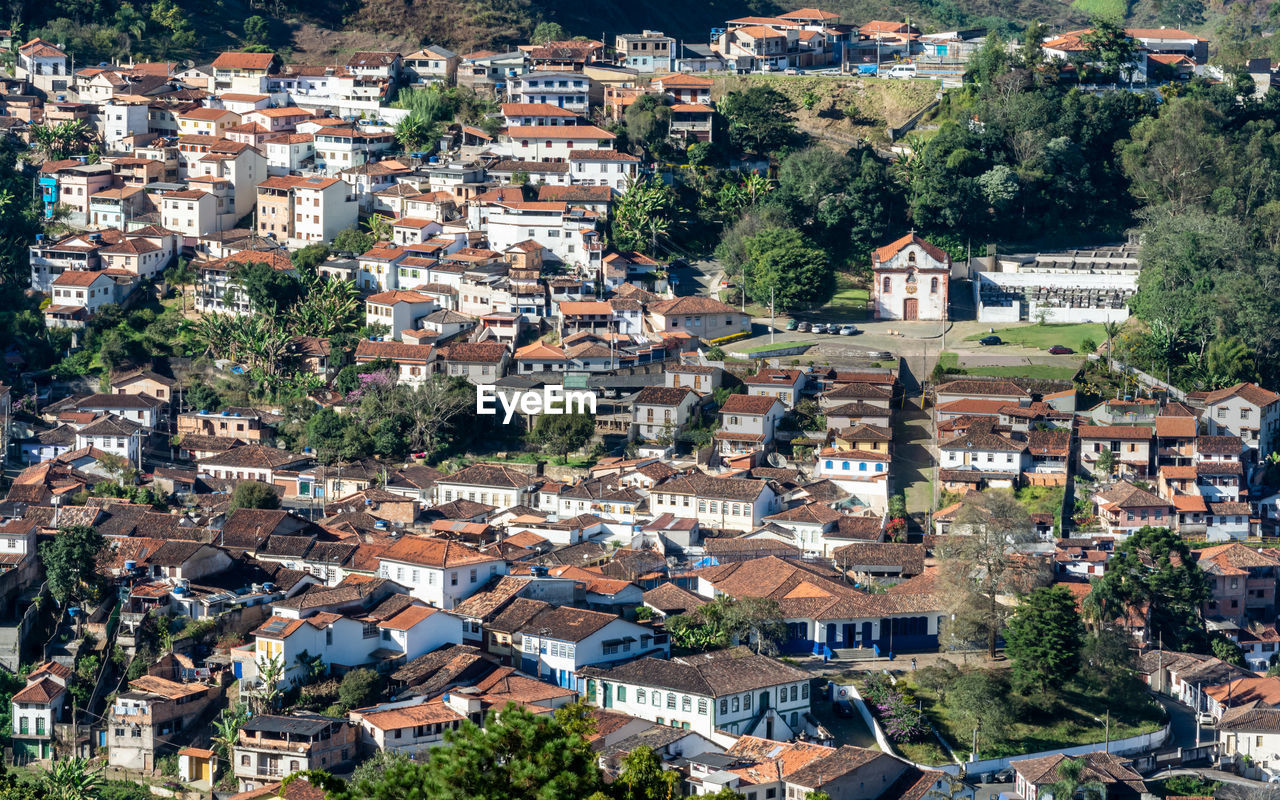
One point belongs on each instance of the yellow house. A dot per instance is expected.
(196, 764)
(206, 122)
(872, 438)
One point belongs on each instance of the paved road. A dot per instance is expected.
(1182, 724)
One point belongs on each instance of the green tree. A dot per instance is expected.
(353, 240)
(254, 494)
(1106, 462)
(202, 397)
(1229, 362)
(256, 30)
(1153, 573)
(981, 567)
(643, 777)
(1044, 638)
(981, 698)
(1109, 49)
(70, 563)
(270, 290)
(325, 432)
(788, 270)
(1227, 650)
(938, 677)
(306, 259)
(759, 119)
(359, 688)
(548, 32)
(516, 756)
(561, 434)
(642, 214)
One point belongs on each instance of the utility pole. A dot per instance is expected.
(772, 330)
(1108, 739)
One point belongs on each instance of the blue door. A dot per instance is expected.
(866, 634)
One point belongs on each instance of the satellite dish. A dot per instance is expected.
(777, 460)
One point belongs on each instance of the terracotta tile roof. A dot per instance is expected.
(1249, 392)
(692, 305)
(474, 352)
(1128, 432)
(42, 692)
(715, 674)
(1176, 427)
(748, 404)
(661, 396)
(434, 553)
(410, 716)
(407, 618)
(235, 60)
(396, 351)
(885, 253)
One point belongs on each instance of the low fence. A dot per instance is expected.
(1132, 744)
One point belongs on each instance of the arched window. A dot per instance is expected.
(911, 256)
(845, 466)
(933, 286)
(862, 467)
(886, 284)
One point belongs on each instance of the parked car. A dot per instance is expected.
(1060, 350)
(819, 327)
(792, 324)
(902, 71)
(804, 327)
(842, 708)
(990, 340)
(848, 330)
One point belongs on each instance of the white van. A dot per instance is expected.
(902, 71)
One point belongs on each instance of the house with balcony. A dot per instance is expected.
(1124, 508)
(271, 747)
(243, 72)
(748, 424)
(143, 720)
(1130, 447)
(1247, 411)
(1242, 582)
(76, 296)
(568, 90)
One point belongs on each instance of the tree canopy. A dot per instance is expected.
(1044, 637)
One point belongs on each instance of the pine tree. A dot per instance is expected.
(1044, 637)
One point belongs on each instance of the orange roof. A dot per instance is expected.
(882, 254)
(411, 716)
(810, 13)
(1190, 503)
(207, 114)
(535, 110)
(1161, 33)
(584, 132)
(1176, 426)
(540, 351)
(254, 61)
(78, 277)
(399, 296)
(682, 80)
(411, 222)
(407, 618)
(760, 32)
(586, 307)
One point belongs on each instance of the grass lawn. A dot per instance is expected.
(928, 751)
(577, 462)
(849, 304)
(1069, 724)
(1041, 499)
(1042, 337)
(776, 346)
(1046, 372)
(1116, 9)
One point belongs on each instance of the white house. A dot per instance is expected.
(557, 642)
(732, 691)
(438, 571)
(489, 484)
(725, 503)
(1248, 411)
(113, 435)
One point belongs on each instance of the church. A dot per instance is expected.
(911, 280)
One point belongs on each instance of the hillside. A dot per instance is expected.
(845, 111)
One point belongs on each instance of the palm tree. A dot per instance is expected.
(73, 779)
(1111, 329)
(226, 730)
(1069, 783)
(44, 140)
(380, 226)
(270, 674)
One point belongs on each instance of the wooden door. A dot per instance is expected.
(910, 308)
